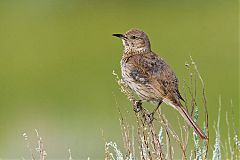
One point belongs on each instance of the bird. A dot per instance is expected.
(150, 77)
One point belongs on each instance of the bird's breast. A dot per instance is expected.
(143, 90)
(126, 70)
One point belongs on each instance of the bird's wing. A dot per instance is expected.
(152, 69)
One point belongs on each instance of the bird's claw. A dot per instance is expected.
(149, 117)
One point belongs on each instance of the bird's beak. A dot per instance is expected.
(119, 36)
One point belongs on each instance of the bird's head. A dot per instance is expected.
(135, 40)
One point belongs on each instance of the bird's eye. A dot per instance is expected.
(133, 37)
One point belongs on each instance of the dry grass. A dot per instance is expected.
(148, 142)
(154, 141)
(39, 151)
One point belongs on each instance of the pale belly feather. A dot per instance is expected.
(144, 91)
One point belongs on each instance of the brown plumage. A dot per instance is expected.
(149, 76)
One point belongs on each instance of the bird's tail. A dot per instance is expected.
(184, 113)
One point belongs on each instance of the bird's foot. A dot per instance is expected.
(149, 117)
(137, 106)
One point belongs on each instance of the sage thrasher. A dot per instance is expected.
(149, 76)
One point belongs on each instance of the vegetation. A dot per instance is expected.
(148, 142)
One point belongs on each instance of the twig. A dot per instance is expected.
(40, 149)
(205, 105)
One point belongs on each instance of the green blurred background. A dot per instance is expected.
(57, 57)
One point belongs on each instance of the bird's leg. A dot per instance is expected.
(159, 103)
(137, 106)
(149, 117)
